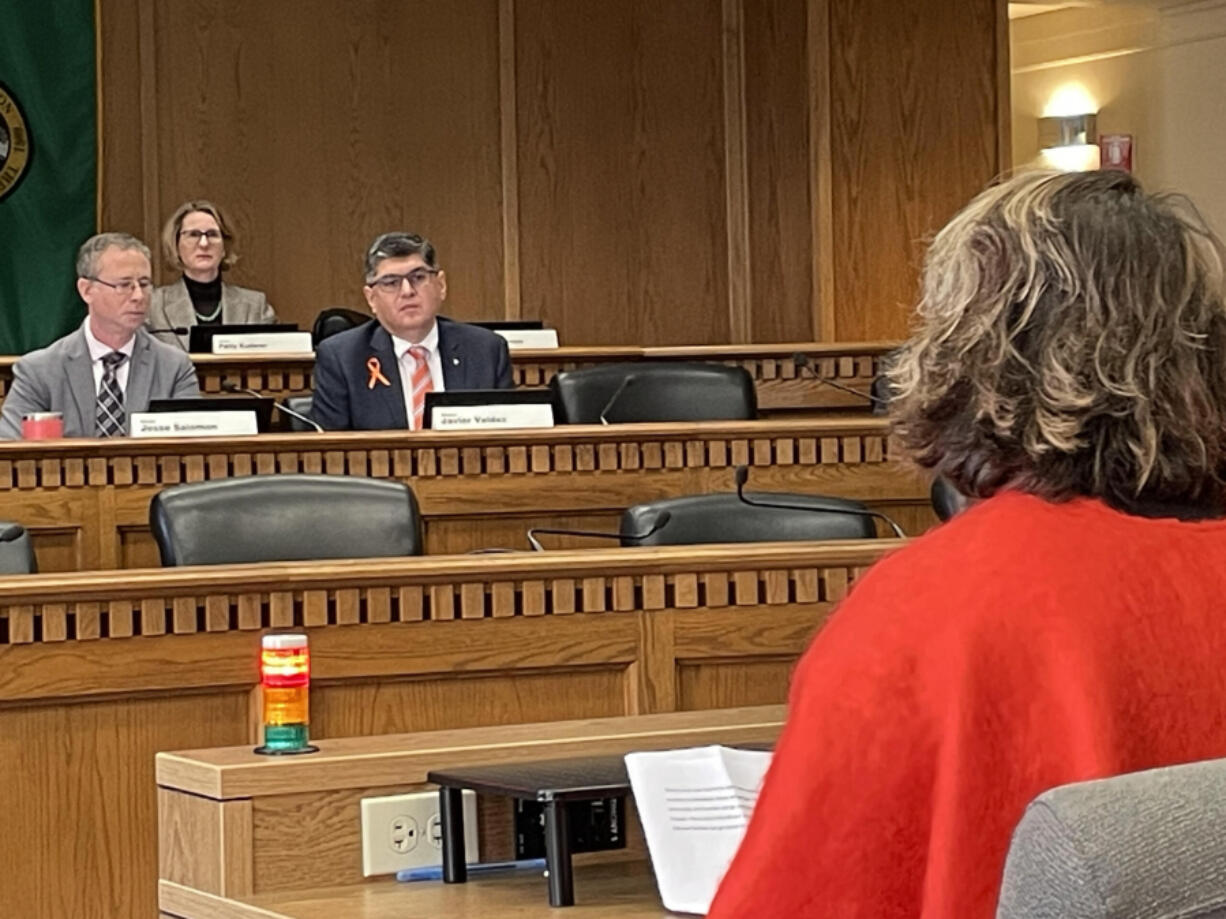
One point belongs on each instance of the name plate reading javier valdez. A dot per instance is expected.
(193, 424)
(476, 417)
(262, 342)
(542, 339)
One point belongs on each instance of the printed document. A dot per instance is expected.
(694, 805)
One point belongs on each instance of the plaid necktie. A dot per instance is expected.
(110, 416)
(421, 384)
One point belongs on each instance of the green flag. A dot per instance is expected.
(48, 166)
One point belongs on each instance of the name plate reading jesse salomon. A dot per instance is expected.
(475, 409)
(263, 342)
(193, 424)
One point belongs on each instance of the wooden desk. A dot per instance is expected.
(87, 501)
(624, 890)
(781, 388)
(99, 673)
(240, 833)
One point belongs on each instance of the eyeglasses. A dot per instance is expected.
(391, 283)
(127, 285)
(198, 236)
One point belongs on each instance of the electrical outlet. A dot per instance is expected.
(405, 831)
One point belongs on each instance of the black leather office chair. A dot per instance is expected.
(947, 500)
(333, 320)
(724, 518)
(266, 518)
(16, 550)
(301, 405)
(654, 391)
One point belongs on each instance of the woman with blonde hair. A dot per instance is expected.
(197, 240)
(1069, 371)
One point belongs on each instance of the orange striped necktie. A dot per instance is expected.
(421, 384)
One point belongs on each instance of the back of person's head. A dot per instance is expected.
(1071, 341)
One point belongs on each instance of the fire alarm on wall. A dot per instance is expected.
(1115, 151)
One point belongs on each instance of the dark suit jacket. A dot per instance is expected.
(473, 358)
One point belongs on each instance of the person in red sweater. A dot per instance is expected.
(1069, 371)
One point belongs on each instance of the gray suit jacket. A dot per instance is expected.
(60, 378)
(171, 308)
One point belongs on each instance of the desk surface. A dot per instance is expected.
(622, 890)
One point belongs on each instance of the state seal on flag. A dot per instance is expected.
(15, 146)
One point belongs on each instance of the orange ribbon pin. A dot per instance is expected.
(376, 374)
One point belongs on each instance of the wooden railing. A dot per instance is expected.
(780, 384)
(98, 673)
(87, 501)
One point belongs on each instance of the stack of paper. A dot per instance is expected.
(694, 805)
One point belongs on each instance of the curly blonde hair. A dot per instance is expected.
(1071, 341)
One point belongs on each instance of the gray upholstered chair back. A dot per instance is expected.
(654, 391)
(265, 518)
(16, 550)
(723, 518)
(1148, 845)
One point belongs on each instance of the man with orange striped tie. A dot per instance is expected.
(376, 377)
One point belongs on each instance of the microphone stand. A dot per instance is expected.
(617, 394)
(657, 525)
(742, 476)
(235, 388)
(801, 360)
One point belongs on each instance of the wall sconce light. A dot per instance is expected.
(1067, 131)
(1069, 142)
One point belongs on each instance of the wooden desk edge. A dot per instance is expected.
(236, 772)
(177, 900)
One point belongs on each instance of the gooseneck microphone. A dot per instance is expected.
(173, 330)
(228, 386)
(656, 526)
(802, 362)
(617, 394)
(742, 476)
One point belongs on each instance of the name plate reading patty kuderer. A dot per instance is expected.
(542, 339)
(261, 342)
(476, 417)
(193, 424)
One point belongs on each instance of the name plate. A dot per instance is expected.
(260, 342)
(477, 417)
(530, 338)
(193, 424)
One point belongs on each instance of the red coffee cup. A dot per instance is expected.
(42, 426)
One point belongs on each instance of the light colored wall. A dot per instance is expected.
(1159, 75)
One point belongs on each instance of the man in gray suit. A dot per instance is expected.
(110, 367)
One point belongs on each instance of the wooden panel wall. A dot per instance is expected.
(914, 136)
(697, 171)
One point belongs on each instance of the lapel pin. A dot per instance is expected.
(376, 374)
(455, 361)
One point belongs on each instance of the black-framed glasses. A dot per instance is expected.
(196, 236)
(391, 283)
(127, 285)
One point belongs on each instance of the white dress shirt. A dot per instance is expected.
(97, 351)
(434, 361)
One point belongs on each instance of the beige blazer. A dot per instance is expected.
(171, 308)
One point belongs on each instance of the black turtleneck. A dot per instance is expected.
(205, 299)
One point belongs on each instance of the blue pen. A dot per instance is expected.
(435, 872)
